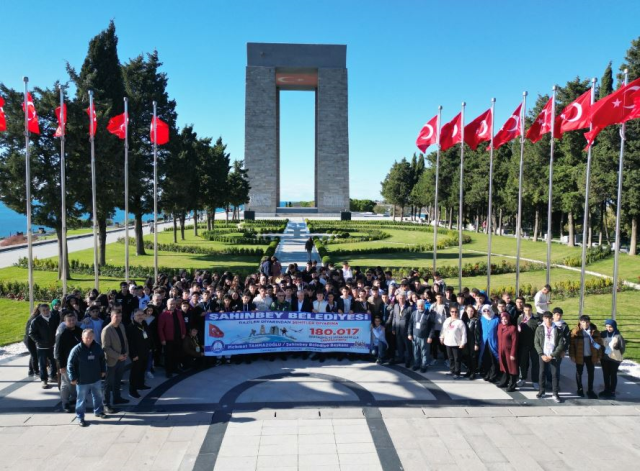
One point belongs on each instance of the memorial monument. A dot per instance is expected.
(272, 68)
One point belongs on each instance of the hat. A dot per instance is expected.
(485, 308)
(505, 314)
(613, 324)
(547, 314)
(55, 302)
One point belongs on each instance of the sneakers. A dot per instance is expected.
(67, 408)
(45, 385)
(580, 392)
(109, 409)
(101, 415)
(520, 383)
(423, 369)
(592, 395)
(133, 394)
(540, 395)
(82, 422)
(150, 375)
(557, 399)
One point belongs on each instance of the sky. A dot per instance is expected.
(404, 58)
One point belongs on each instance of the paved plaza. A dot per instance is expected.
(336, 415)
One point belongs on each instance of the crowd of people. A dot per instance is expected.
(85, 343)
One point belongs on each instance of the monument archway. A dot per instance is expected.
(321, 69)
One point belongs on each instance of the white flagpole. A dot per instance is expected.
(614, 294)
(549, 209)
(523, 113)
(126, 189)
(155, 193)
(585, 221)
(93, 191)
(493, 104)
(460, 203)
(28, 187)
(435, 203)
(63, 178)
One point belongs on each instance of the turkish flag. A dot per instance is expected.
(162, 131)
(93, 121)
(118, 125)
(617, 108)
(428, 134)
(542, 124)
(478, 130)
(3, 119)
(510, 129)
(62, 120)
(574, 116)
(32, 116)
(451, 133)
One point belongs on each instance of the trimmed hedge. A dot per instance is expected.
(363, 226)
(213, 236)
(594, 254)
(451, 241)
(194, 249)
(564, 289)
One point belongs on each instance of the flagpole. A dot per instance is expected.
(28, 187)
(549, 209)
(126, 189)
(519, 217)
(63, 184)
(460, 203)
(493, 104)
(155, 192)
(93, 189)
(435, 203)
(614, 294)
(585, 221)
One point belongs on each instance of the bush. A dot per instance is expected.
(326, 260)
(594, 254)
(194, 249)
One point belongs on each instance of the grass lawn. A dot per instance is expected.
(166, 237)
(13, 316)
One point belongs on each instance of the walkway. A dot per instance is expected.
(291, 248)
(305, 415)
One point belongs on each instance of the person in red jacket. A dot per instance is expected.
(171, 331)
(507, 352)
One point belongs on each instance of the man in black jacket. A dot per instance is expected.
(128, 302)
(139, 351)
(302, 304)
(65, 341)
(420, 331)
(43, 332)
(399, 325)
(528, 323)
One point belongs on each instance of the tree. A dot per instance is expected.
(397, 185)
(44, 153)
(238, 185)
(145, 84)
(100, 72)
(214, 171)
(631, 180)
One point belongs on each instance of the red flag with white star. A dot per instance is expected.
(510, 129)
(162, 132)
(542, 124)
(574, 116)
(451, 133)
(617, 108)
(62, 121)
(3, 119)
(118, 125)
(93, 121)
(428, 134)
(32, 116)
(478, 130)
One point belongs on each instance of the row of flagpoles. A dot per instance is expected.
(617, 108)
(119, 126)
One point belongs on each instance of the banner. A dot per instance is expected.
(236, 333)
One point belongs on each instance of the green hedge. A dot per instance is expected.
(362, 226)
(594, 254)
(450, 241)
(194, 249)
(215, 237)
(564, 289)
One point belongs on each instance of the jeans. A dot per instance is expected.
(420, 352)
(455, 358)
(552, 368)
(379, 351)
(67, 390)
(45, 354)
(112, 382)
(610, 374)
(96, 395)
(579, 370)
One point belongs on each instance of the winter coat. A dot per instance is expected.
(508, 347)
(558, 341)
(139, 344)
(527, 331)
(166, 327)
(111, 343)
(65, 343)
(489, 329)
(614, 345)
(43, 332)
(86, 364)
(427, 323)
(576, 346)
(401, 319)
(474, 337)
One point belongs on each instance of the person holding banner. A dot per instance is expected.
(378, 342)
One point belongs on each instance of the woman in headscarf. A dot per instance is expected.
(614, 346)
(507, 352)
(489, 347)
